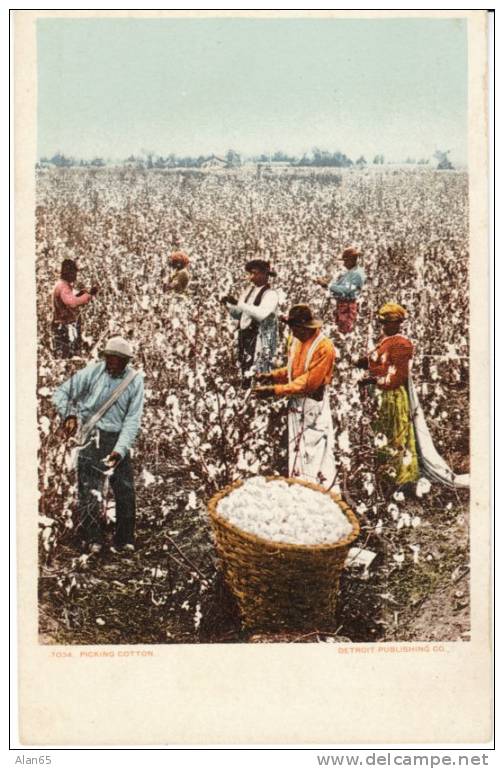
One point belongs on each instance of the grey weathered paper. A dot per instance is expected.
(415, 691)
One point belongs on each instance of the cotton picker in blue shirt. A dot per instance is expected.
(346, 289)
(105, 453)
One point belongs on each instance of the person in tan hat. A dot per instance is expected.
(106, 399)
(305, 381)
(389, 367)
(345, 289)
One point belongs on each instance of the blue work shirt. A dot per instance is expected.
(84, 393)
(348, 285)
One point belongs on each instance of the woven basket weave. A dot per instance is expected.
(280, 585)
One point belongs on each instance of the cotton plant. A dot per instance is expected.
(200, 431)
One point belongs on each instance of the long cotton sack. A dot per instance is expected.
(434, 466)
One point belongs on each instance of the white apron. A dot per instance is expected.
(311, 434)
(176, 309)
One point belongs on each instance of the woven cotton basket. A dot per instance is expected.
(279, 585)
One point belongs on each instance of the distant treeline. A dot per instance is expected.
(316, 158)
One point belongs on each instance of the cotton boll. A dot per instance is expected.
(393, 510)
(285, 512)
(404, 520)
(399, 558)
(380, 440)
(423, 487)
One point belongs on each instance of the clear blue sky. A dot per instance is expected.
(112, 87)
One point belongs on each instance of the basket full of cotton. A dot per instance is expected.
(282, 544)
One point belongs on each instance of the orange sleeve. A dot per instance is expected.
(392, 367)
(279, 374)
(319, 373)
(376, 367)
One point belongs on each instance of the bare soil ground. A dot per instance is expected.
(149, 597)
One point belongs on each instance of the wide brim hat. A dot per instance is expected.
(301, 316)
(262, 265)
(116, 345)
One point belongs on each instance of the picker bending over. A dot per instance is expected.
(305, 381)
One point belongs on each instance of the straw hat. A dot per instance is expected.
(392, 311)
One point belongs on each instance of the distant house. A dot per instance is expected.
(133, 162)
(214, 161)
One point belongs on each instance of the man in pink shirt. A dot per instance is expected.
(66, 329)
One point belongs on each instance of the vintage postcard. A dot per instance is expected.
(253, 366)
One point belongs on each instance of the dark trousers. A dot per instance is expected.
(247, 338)
(63, 346)
(91, 485)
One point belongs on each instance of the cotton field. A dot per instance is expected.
(201, 431)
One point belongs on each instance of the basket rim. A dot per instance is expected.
(286, 546)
